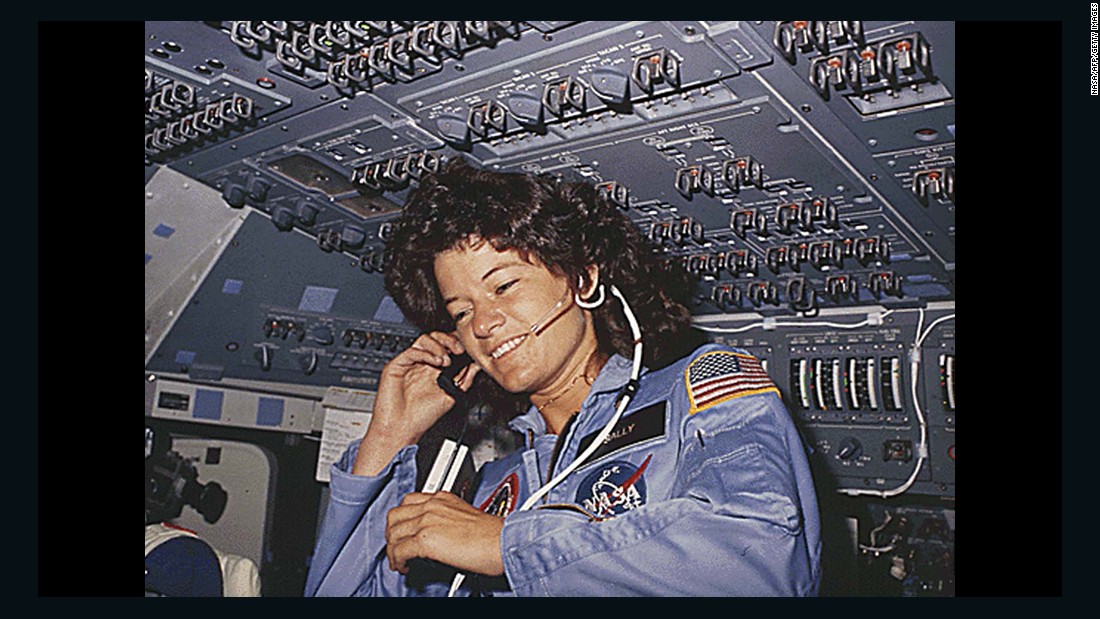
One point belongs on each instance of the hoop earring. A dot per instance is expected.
(589, 304)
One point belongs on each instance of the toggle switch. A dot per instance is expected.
(741, 221)
(775, 258)
(308, 362)
(445, 34)
(614, 192)
(886, 282)
(797, 254)
(656, 67)
(284, 53)
(329, 240)
(935, 183)
(378, 57)
(726, 296)
(265, 355)
(800, 295)
(482, 117)
(421, 42)
(841, 287)
(785, 216)
(741, 172)
(560, 95)
(763, 292)
(693, 179)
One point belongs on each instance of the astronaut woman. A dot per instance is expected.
(639, 474)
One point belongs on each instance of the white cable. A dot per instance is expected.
(920, 322)
(914, 368)
(922, 450)
(635, 371)
(770, 325)
(455, 584)
(931, 326)
(875, 531)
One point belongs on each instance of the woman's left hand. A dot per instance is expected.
(445, 528)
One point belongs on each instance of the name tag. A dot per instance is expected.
(632, 428)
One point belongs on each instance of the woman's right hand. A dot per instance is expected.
(409, 401)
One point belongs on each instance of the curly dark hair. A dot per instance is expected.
(566, 226)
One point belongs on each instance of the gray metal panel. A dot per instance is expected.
(187, 227)
(263, 274)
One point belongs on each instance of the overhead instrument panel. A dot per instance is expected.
(789, 165)
(802, 171)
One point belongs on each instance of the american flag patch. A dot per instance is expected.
(719, 376)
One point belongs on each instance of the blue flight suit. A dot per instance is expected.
(702, 489)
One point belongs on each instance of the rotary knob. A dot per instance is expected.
(850, 449)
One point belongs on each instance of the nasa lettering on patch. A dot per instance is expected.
(613, 488)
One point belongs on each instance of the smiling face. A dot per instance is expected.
(495, 297)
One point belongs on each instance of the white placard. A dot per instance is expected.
(341, 428)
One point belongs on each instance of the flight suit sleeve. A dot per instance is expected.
(348, 558)
(732, 524)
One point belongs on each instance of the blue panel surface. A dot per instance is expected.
(317, 299)
(388, 311)
(208, 404)
(269, 412)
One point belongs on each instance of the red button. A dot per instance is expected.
(951, 452)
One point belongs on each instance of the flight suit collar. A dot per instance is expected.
(614, 374)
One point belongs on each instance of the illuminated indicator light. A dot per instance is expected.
(903, 46)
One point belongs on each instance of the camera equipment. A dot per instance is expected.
(171, 482)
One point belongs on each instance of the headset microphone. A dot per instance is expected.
(545, 320)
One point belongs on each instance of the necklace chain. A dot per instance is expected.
(568, 388)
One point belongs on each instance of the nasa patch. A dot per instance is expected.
(613, 488)
(503, 500)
